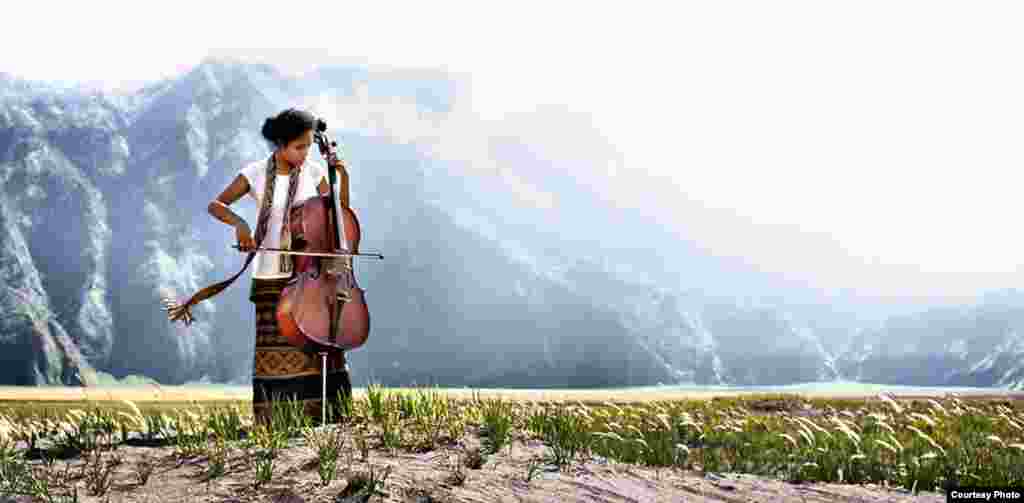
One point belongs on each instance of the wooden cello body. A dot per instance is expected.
(322, 304)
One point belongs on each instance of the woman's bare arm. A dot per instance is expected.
(219, 207)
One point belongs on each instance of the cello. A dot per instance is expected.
(322, 303)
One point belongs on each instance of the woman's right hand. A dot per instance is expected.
(244, 235)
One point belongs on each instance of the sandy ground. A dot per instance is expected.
(412, 476)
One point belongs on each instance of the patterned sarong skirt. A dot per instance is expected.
(282, 372)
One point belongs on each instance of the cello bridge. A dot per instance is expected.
(339, 265)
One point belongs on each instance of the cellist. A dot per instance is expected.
(281, 371)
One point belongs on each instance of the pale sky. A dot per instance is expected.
(871, 145)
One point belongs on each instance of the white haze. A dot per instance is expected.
(870, 146)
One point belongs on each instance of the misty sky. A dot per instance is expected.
(865, 145)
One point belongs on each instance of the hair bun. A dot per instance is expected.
(270, 130)
(288, 125)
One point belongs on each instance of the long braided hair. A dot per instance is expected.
(183, 312)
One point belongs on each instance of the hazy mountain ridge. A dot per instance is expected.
(975, 345)
(103, 212)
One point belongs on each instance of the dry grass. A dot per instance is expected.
(409, 443)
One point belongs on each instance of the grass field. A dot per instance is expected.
(920, 443)
(617, 395)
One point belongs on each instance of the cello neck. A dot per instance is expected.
(327, 147)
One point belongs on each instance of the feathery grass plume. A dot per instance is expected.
(615, 436)
(665, 421)
(612, 405)
(927, 438)
(888, 446)
(937, 406)
(21, 431)
(53, 425)
(957, 404)
(889, 401)
(7, 427)
(67, 428)
(806, 434)
(926, 419)
(687, 419)
(584, 413)
(1019, 447)
(895, 441)
(681, 448)
(29, 427)
(76, 414)
(847, 430)
(135, 419)
(877, 416)
(804, 423)
(838, 421)
(814, 425)
(995, 439)
(789, 438)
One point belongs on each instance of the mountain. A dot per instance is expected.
(102, 213)
(971, 345)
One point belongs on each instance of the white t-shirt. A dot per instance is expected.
(267, 264)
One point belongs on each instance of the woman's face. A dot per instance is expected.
(295, 151)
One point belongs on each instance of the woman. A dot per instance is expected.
(280, 371)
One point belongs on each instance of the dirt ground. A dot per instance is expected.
(428, 477)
